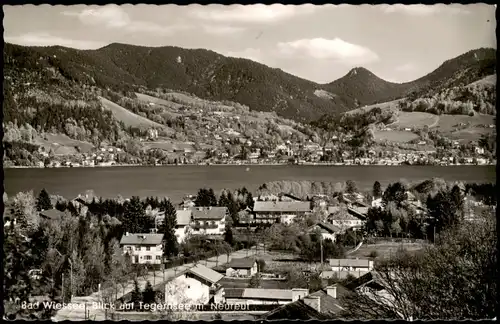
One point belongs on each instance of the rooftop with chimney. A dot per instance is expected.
(141, 239)
(322, 304)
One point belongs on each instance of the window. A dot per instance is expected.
(148, 248)
(158, 257)
(147, 257)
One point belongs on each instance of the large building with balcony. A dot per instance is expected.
(197, 221)
(208, 220)
(143, 248)
(283, 211)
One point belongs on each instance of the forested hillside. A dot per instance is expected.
(210, 75)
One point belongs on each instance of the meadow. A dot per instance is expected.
(129, 118)
(395, 136)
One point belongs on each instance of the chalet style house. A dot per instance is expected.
(143, 248)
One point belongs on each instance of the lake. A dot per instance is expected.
(177, 181)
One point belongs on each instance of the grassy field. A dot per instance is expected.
(395, 136)
(62, 144)
(448, 123)
(490, 80)
(128, 117)
(416, 119)
(470, 134)
(157, 101)
(384, 105)
(384, 250)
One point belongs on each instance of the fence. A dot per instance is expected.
(381, 240)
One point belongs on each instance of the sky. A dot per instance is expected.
(398, 43)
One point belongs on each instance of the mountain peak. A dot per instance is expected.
(359, 71)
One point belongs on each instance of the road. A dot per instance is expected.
(75, 311)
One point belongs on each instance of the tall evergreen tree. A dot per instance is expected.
(232, 207)
(202, 199)
(377, 190)
(249, 201)
(134, 220)
(43, 202)
(212, 198)
(396, 193)
(223, 200)
(228, 234)
(171, 247)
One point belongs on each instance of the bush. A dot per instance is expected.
(373, 254)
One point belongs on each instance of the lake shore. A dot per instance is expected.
(242, 164)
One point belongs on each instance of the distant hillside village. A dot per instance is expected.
(266, 256)
(160, 151)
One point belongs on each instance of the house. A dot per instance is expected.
(197, 285)
(359, 212)
(209, 220)
(346, 220)
(245, 267)
(351, 265)
(328, 231)
(322, 304)
(143, 248)
(253, 155)
(285, 211)
(51, 214)
(258, 296)
(479, 150)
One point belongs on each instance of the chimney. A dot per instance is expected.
(299, 293)
(332, 291)
(314, 302)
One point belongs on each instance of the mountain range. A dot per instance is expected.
(210, 75)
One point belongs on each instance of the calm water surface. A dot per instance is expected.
(177, 181)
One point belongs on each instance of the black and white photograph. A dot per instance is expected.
(250, 162)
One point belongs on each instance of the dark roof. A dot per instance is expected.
(51, 213)
(289, 196)
(282, 206)
(233, 292)
(328, 304)
(141, 239)
(370, 279)
(359, 212)
(329, 227)
(243, 263)
(212, 213)
(297, 310)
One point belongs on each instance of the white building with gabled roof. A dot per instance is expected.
(143, 248)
